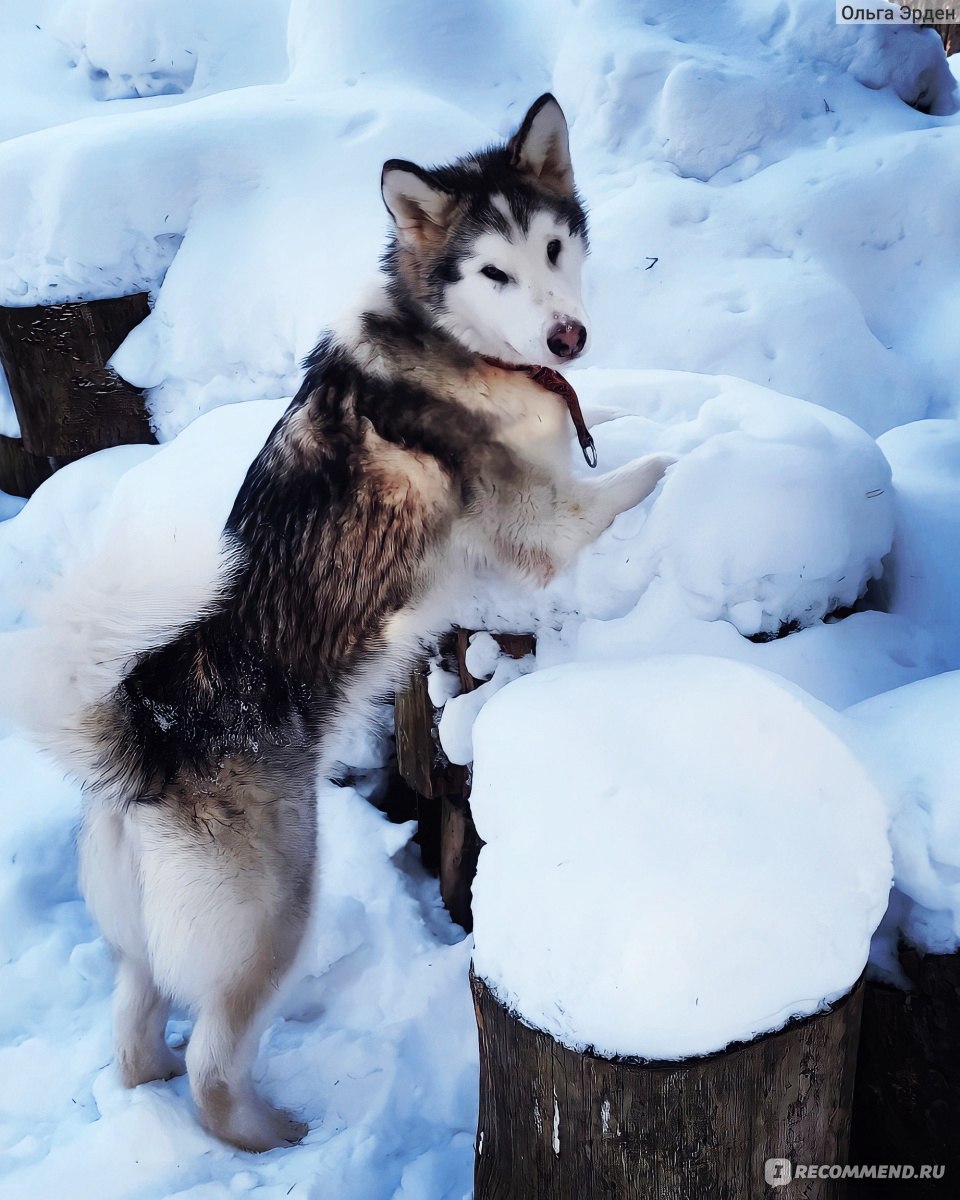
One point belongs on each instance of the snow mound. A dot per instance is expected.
(910, 739)
(499, 54)
(925, 568)
(906, 59)
(781, 514)
(168, 47)
(680, 853)
(129, 52)
(709, 117)
(740, 86)
(64, 58)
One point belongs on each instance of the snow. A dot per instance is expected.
(368, 1045)
(442, 684)
(460, 713)
(169, 47)
(910, 739)
(799, 519)
(66, 57)
(481, 655)
(925, 581)
(679, 854)
(773, 298)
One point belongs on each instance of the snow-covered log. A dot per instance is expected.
(555, 1124)
(683, 865)
(67, 400)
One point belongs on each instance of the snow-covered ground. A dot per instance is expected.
(774, 298)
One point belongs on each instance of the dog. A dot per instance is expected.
(431, 437)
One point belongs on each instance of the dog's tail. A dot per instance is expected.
(105, 610)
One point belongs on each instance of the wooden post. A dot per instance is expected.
(460, 846)
(424, 766)
(449, 842)
(558, 1125)
(68, 402)
(907, 1104)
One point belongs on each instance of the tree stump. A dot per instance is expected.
(68, 402)
(907, 1103)
(449, 842)
(558, 1125)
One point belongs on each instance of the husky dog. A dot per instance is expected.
(420, 445)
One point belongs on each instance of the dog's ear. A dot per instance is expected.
(419, 204)
(541, 147)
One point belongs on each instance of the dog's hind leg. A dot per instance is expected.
(139, 1021)
(227, 870)
(220, 1057)
(109, 879)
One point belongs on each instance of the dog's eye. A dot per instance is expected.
(553, 251)
(495, 274)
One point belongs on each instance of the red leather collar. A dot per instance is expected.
(554, 382)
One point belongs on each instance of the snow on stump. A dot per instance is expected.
(682, 857)
(799, 518)
(68, 401)
(908, 1080)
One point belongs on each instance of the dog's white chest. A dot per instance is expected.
(534, 422)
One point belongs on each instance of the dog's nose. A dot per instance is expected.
(566, 339)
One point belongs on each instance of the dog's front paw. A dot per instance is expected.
(645, 474)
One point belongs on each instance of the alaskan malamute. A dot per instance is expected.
(431, 436)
